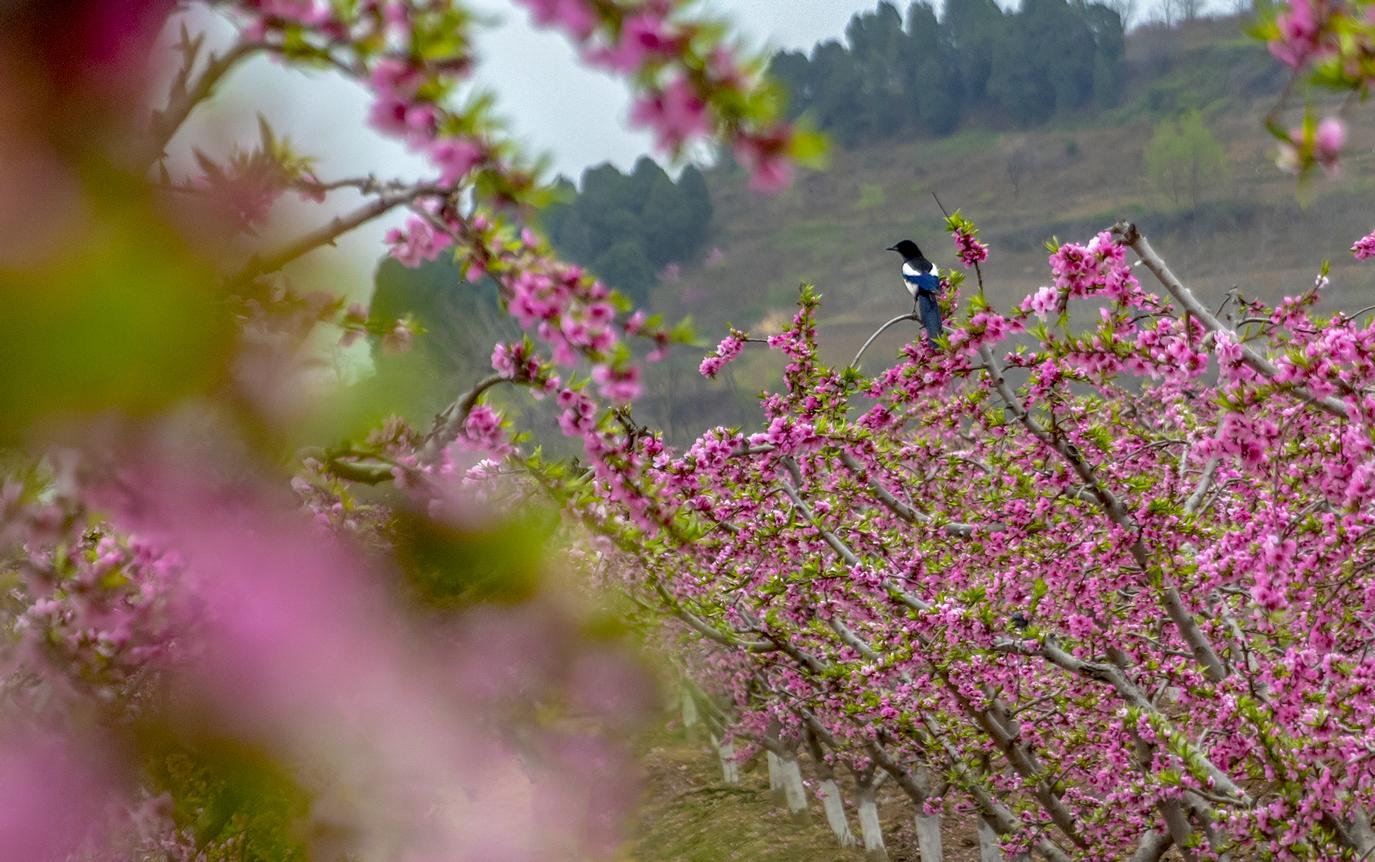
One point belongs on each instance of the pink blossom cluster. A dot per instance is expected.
(250, 631)
(970, 250)
(578, 17)
(1321, 145)
(726, 353)
(1084, 270)
(418, 243)
(1364, 248)
(516, 362)
(646, 36)
(401, 110)
(307, 12)
(765, 156)
(1079, 586)
(1302, 32)
(676, 114)
(984, 327)
(483, 432)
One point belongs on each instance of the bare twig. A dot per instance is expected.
(184, 100)
(326, 234)
(854, 363)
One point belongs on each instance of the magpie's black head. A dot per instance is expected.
(907, 249)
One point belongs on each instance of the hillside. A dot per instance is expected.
(1079, 175)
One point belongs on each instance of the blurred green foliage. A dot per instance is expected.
(124, 317)
(241, 805)
(452, 565)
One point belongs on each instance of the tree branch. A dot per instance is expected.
(854, 363)
(1127, 233)
(326, 234)
(1112, 675)
(901, 509)
(183, 100)
(450, 421)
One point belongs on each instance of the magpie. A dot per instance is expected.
(923, 283)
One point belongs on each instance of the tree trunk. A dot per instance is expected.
(989, 849)
(1361, 831)
(775, 778)
(834, 806)
(829, 791)
(794, 791)
(929, 837)
(725, 751)
(869, 826)
(690, 717)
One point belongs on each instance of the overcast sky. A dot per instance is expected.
(578, 115)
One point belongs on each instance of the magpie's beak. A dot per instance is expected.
(891, 248)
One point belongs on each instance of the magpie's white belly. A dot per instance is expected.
(910, 272)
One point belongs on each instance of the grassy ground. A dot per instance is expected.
(688, 815)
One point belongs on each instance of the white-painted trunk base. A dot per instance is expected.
(794, 791)
(835, 813)
(1361, 831)
(989, 851)
(730, 770)
(690, 716)
(871, 830)
(929, 837)
(775, 779)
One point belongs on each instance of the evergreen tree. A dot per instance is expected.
(1016, 86)
(932, 71)
(838, 79)
(606, 193)
(556, 217)
(626, 266)
(1063, 49)
(666, 229)
(663, 221)
(693, 188)
(976, 30)
(644, 179)
(1051, 56)
(876, 41)
(793, 70)
(1110, 59)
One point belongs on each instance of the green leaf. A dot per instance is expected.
(809, 148)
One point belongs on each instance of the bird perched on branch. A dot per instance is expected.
(923, 283)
